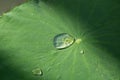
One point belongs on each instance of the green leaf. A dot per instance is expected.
(27, 33)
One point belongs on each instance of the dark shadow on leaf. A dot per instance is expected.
(10, 72)
(102, 18)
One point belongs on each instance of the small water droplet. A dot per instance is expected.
(78, 41)
(37, 72)
(63, 40)
(82, 51)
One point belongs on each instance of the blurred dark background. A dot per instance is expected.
(6, 5)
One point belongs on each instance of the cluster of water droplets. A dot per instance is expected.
(61, 41)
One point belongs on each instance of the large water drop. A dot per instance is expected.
(63, 40)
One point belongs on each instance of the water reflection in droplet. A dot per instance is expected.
(63, 40)
(82, 51)
(37, 72)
